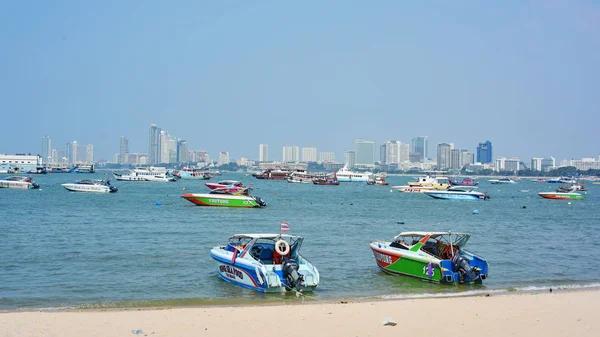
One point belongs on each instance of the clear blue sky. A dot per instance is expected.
(228, 75)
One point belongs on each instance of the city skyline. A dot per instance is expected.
(481, 71)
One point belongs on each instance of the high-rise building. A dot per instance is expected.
(419, 148)
(507, 164)
(290, 154)
(484, 152)
(223, 158)
(123, 150)
(154, 149)
(182, 151)
(326, 157)
(536, 163)
(459, 158)
(46, 149)
(444, 155)
(74, 152)
(309, 154)
(350, 158)
(364, 151)
(202, 156)
(57, 156)
(548, 164)
(89, 153)
(263, 152)
(68, 156)
(394, 152)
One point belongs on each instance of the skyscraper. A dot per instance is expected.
(124, 150)
(309, 154)
(326, 157)
(223, 158)
(290, 154)
(419, 147)
(182, 151)
(68, 155)
(74, 152)
(443, 155)
(394, 152)
(484, 152)
(154, 149)
(365, 152)
(46, 149)
(263, 152)
(350, 158)
(89, 153)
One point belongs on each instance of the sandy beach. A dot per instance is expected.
(559, 313)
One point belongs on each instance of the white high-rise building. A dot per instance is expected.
(89, 153)
(350, 158)
(123, 150)
(364, 151)
(168, 151)
(536, 163)
(444, 155)
(326, 157)
(394, 152)
(223, 158)
(290, 154)
(309, 154)
(74, 152)
(507, 164)
(46, 149)
(263, 152)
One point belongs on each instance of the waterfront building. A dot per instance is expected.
(365, 152)
(444, 155)
(182, 151)
(419, 149)
(154, 149)
(123, 150)
(290, 154)
(484, 152)
(20, 162)
(326, 157)
(309, 154)
(89, 153)
(223, 158)
(548, 164)
(263, 152)
(394, 152)
(46, 149)
(202, 156)
(350, 158)
(536, 163)
(57, 156)
(507, 164)
(585, 164)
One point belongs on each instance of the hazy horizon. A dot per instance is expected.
(229, 76)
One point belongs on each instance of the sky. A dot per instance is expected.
(230, 75)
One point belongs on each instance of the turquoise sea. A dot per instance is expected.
(76, 250)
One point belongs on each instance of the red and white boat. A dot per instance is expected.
(225, 184)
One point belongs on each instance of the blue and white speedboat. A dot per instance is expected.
(458, 193)
(265, 263)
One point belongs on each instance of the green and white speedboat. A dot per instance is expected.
(432, 256)
(225, 197)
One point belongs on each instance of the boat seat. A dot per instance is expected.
(266, 255)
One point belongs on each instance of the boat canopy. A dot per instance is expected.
(456, 238)
(263, 236)
(462, 188)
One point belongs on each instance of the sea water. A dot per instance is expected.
(146, 246)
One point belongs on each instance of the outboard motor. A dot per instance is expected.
(260, 202)
(461, 265)
(293, 279)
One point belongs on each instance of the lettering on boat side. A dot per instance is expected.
(231, 272)
(383, 258)
(219, 201)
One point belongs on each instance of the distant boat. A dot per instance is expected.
(503, 180)
(88, 185)
(458, 193)
(463, 182)
(346, 175)
(561, 195)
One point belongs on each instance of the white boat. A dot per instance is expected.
(503, 180)
(193, 173)
(458, 193)
(18, 182)
(140, 174)
(425, 183)
(85, 169)
(160, 178)
(93, 186)
(346, 175)
(302, 177)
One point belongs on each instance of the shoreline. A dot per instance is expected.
(560, 313)
(278, 301)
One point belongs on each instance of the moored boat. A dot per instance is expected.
(271, 174)
(327, 180)
(463, 182)
(302, 177)
(265, 263)
(85, 168)
(459, 193)
(224, 184)
(93, 186)
(160, 178)
(18, 182)
(426, 183)
(346, 175)
(140, 174)
(377, 180)
(503, 180)
(223, 198)
(432, 256)
(561, 195)
(192, 173)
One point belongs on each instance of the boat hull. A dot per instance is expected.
(455, 196)
(561, 196)
(413, 189)
(224, 200)
(18, 185)
(425, 267)
(87, 188)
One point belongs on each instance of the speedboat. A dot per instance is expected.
(458, 193)
(377, 180)
(301, 177)
(571, 188)
(225, 198)
(503, 180)
(265, 263)
(463, 182)
(88, 185)
(432, 256)
(561, 195)
(224, 184)
(160, 178)
(18, 182)
(346, 175)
